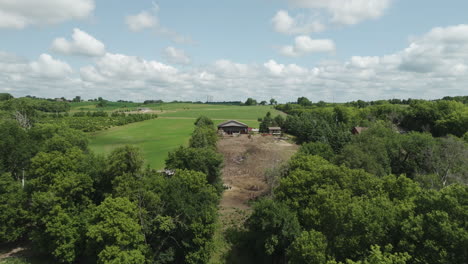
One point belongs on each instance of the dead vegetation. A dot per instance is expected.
(245, 162)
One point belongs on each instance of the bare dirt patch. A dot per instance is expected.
(245, 163)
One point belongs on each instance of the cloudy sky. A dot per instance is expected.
(332, 50)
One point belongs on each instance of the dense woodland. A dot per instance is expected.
(395, 193)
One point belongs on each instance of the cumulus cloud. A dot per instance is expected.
(284, 23)
(347, 12)
(432, 66)
(81, 44)
(148, 19)
(141, 21)
(304, 45)
(19, 14)
(176, 56)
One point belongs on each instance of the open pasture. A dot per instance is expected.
(173, 128)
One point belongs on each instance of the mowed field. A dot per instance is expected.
(171, 129)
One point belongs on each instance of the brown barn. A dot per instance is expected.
(233, 126)
(358, 130)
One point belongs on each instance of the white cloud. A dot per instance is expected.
(150, 20)
(141, 21)
(176, 56)
(347, 12)
(284, 23)
(46, 66)
(432, 66)
(18, 14)
(304, 45)
(81, 44)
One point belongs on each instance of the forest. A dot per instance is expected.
(394, 193)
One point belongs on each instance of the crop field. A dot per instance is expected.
(172, 129)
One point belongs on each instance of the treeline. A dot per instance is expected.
(76, 207)
(29, 111)
(325, 213)
(440, 118)
(96, 121)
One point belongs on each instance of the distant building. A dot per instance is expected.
(233, 126)
(358, 130)
(275, 131)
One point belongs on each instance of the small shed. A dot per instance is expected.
(233, 126)
(358, 130)
(275, 131)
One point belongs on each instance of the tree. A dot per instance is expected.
(251, 101)
(77, 99)
(114, 233)
(13, 219)
(272, 228)
(204, 160)
(308, 247)
(192, 203)
(263, 102)
(204, 121)
(303, 101)
(273, 101)
(5, 96)
(203, 137)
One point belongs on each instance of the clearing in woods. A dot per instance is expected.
(245, 163)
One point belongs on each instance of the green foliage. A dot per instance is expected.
(13, 217)
(308, 247)
(250, 101)
(204, 121)
(204, 160)
(317, 148)
(15, 147)
(356, 211)
(303, 101)
(192, 203)
(272, 227)
(203, 137)
(5, 96)
(114, 233)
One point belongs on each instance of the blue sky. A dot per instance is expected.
(338, 50)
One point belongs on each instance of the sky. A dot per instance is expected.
(330, 50)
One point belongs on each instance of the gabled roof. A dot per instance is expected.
(359, 129)
(232, 123)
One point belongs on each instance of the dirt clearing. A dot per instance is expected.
(245, 162)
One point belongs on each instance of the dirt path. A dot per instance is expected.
(245, 162)
(11, 253)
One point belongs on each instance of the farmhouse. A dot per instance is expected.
(233, 126)
(275, 131)
(358, 130)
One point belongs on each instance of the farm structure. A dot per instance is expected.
(275, 131)
(358, 130)
(233, 127)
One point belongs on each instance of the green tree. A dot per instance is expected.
(309, 247)
(250, 101)
(272, 228)
(273, 101)
(13, 217)
(5, 96)
(114, 233)
(303, 101)
(204, 160)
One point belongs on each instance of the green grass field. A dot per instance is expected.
(172, 129)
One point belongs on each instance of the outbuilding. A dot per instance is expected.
(275, 131)
(358, 130)
(233, 126)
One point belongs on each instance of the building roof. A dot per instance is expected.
(359, 129)
(232, 123)
(274, 128)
